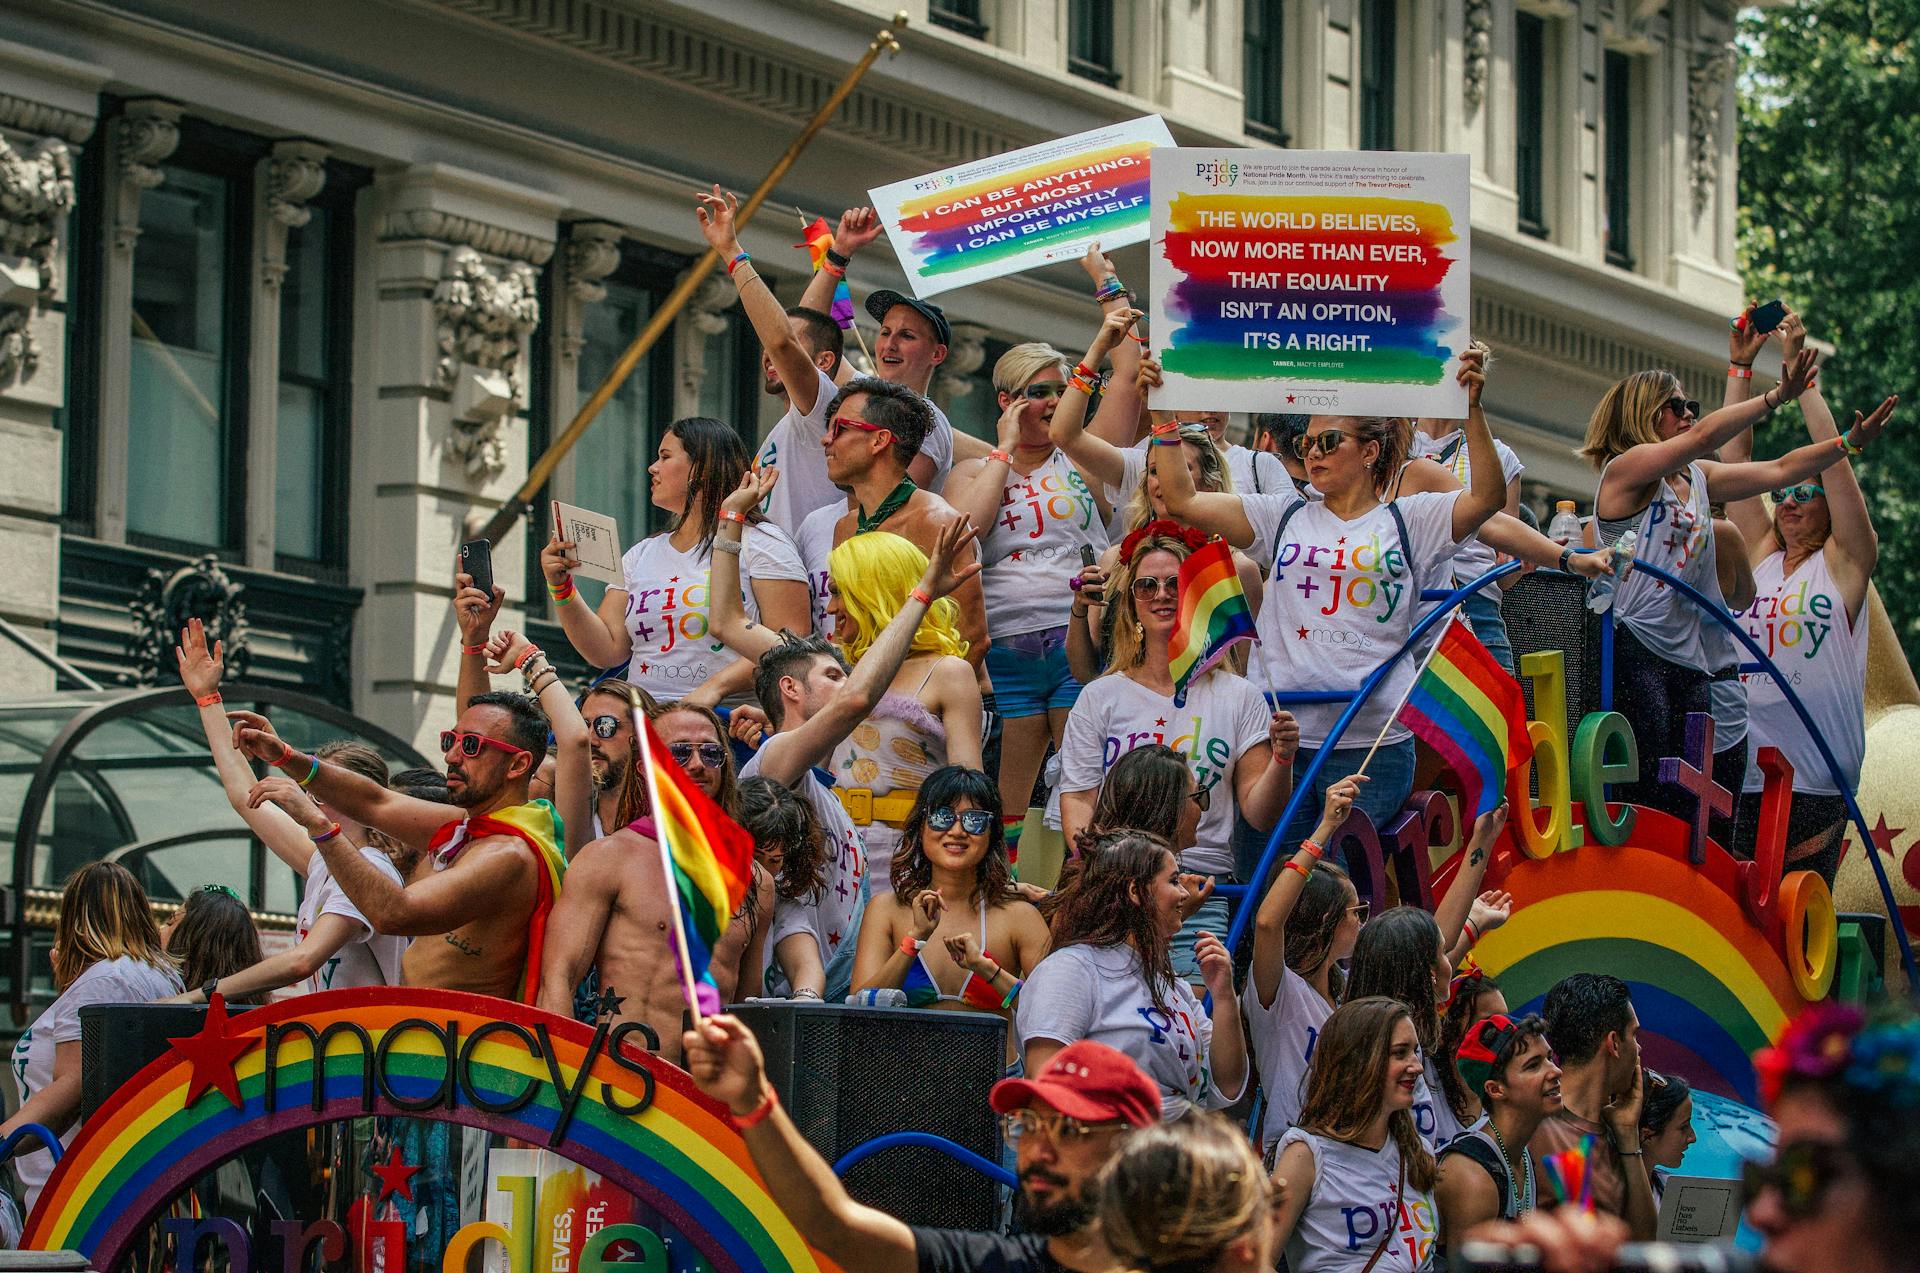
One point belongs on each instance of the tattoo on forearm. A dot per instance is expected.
(1474, 858)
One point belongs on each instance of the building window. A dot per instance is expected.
(958, 15)
(188, 317)
(312, 418)
(1377, 44)
(1090, 41)
(1262, 69)
(1618, 123)
(1529, 118)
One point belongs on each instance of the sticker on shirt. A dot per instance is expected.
(1791, 624)
(1028, 505)
(1346, 582)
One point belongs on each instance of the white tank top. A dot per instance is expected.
(1358, 1199)
(1800, 621)
(1033, 547)
(1674, 535)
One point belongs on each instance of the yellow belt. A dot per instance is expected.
(865, 808)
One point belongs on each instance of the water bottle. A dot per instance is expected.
(1564, 529)
(1600, 591)
(879, 997)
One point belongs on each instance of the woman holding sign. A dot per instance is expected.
(656, 621)
(1344, 590)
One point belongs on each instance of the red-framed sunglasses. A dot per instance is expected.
(841, 423)
(470, 744)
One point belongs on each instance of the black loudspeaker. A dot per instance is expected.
(1548, 611)
(847, 1074)
(118, 1039)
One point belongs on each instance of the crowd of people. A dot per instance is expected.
(878, 644)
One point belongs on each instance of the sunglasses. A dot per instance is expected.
(470, 744)
(1683, 406)
(1059, 1128)
(712, 755)
(972, 821)
(1801, 494)
(1360, 911)
(1802, 1172)
(1326, 442)
(1202, 798)
(1147, 587)
(604, 727)
(1042, 390)
(841, 423)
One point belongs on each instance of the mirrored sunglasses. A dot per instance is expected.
(1327, 441)
(712, 755)
(972, 821)
(1804, 493)
(470, 744)
(606, 726)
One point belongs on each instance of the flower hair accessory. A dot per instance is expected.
(1836, 1041)
(1161, 528)
(1469, 971)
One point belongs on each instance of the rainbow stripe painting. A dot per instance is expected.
(1022, 209)
(1312, 281)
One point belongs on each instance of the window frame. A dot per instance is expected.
(1378, 53)
(1529, 123)
(963, 16)
(1616, 156)
(1090, 34)
(1265, 51)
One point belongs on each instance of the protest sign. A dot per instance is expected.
(1325, 282)
(596, 540)
(1025, 208)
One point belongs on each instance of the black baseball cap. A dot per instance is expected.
(882, 301)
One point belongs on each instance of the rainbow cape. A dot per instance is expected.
(710, 854)
(536, 825)
(818, 237)
(1469, 709)
(1213, 615)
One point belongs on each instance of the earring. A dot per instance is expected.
(1139, 631)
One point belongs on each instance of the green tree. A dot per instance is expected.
(1830, 220)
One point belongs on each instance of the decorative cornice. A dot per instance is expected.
(38, 117)
(459, 231)
(592, 253)
(143, 137)
(296, 171)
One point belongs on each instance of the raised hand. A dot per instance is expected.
(1798, 376)
(1340, 798)
(1473, 371)
(755, 485)
(858, 227)
(1148, 376)
(558, 560)
(1487, 828)
(253, 734)
(1216, 966)
(748, 725)
(928, 907)
(1096, 263)
(505, 651)
(474, 610)
(199, 669)
(278, 789)
(1113, 330)
(725, 1061)
(1490, 910)
(1283, 735)
(716, 212)
(1199, 889)
(942, 575)
(1865, 427)
(1793, 337)
(1743, 343)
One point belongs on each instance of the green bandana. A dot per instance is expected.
(895, 500)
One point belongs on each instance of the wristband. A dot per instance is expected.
(1472, 933)
(1001, 456)
(1081, 369)
(910, 945)
(1566, 558)
(831, 270)
(736, 262)
(1739, 371)
(758, 1113)
(311, 773)
(728, 515)
(473, 649)
(807, 993)
(1166, 439)
(1082, 384)
(1318, 851)
(1291, 865)
(1844, 442)
(326, 835)
(520, 665)
(562, 592)
(208, 700)
(1282, 761)
(286, 754)
(834, 258)
(1011, 994)
(922, 596)
(731, 547)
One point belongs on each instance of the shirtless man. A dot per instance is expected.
(615, 911)
(471, 915)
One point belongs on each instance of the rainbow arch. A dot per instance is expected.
(679, 1155)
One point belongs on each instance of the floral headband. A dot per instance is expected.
(1469, 971)
(1829, 1041)
(1161, 528)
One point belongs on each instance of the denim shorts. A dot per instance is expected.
(1210, 918)
(1030, 675)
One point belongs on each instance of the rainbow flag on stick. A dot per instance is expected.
(1214, 614)
(817, 238)
(1468, 708)
(707, 856)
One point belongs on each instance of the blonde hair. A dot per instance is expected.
(1214, 474)
(1177, 1195)
(104, 915)
(1023, 362)
(1625, 415)
(874, 573)
(1128, 649)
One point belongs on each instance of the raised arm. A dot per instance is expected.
(798, 372)
(598, 636)
(474, 611)
(1283, 894)
(1727, 482)
(1487, 489)
(1216, 512)
(572, 749)
(1634, 473)
(579, 918)
(975, 488)
(726, 615)
(412, 822)
(1451, 914)
(200, 671)
(858, 227)
(1097, 457)
(1119, 419)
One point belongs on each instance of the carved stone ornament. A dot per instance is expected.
(1707, 78)
(484, 315)
(201, 590)
(593, 252)
(295, 173)
(141, 139)
(1477, 48)
(36, 193)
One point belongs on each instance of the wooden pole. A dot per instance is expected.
(502, 520)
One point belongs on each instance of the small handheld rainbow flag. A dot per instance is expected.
(1213, 615)
(818, 237)
(707, 855)
(1568, 1172)
(1469, 709)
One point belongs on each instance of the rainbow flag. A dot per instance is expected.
(1213, 615)
(711, 855)
(1469, 709)
(818, 237)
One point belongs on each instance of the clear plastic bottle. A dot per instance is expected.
(1564, 529)
(1600, 591)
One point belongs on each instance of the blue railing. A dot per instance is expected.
(44, 1135)
(923, 1140)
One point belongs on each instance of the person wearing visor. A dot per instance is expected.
(1065, 1123)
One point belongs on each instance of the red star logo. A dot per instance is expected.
(833, 939)
(1014, 556)
(1341, 540)
(643, 667)
(212, 1053)
(1883, 835)
(1161, 721)
(675, 579)
(1289, 397)
(1303, 634)
(395, 1177)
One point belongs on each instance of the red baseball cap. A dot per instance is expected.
(1088, 1081)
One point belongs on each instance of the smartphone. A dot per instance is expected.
(1087, 555)
(476, 561)
(1765, 318)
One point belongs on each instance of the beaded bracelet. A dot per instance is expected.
(532, 653)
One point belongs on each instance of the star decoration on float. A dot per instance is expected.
(212, 1053)
(607, 1004)
(395, 1177)
(1884, 835)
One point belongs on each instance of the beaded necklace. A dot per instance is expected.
(1522, 1194)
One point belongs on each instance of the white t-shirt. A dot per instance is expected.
(673, 654)
(1801, 622)
(122, 980)
(1358, 1200)
(1253, 473)
(1433, 1117)
(796, 446)
(368, 958)
(1100, 993)
(1223, 717)
(815, 544)
(1283, 1039)
(1473, 558)
(1033, 548)
(1342, 597)
(832, 915)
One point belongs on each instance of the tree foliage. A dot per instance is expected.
(1830, 221)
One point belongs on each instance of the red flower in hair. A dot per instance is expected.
(1161, 528)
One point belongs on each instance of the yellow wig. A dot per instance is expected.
(873, 574)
